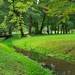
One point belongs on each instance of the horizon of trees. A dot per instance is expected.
(37, 16)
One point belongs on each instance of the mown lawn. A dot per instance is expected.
(12, 63)
(58, 46)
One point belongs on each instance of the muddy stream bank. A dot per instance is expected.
(60, 67)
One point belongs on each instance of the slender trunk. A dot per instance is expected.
(66, 29)
(21, 30)
(30, 26)
(41, 29)
(51, 31)
(42, 26)
(37, 28)
(10, 31)
(62, 29)
(58, 30)
(20, 24)
(48, 29)
(55, 30)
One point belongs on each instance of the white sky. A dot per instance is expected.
(37, 1)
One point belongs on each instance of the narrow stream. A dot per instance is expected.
(60, 67)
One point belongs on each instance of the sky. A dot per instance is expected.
(37, 1)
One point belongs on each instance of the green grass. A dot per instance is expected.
(12, 63)
(52, 45)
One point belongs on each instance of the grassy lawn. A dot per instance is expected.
(58, 46)
(12, 63)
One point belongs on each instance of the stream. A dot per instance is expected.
(60, 67)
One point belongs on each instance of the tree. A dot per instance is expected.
(17, 9)
(53, 15)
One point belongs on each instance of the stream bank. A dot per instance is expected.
(60, 67)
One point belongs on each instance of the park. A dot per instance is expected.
(37, 37)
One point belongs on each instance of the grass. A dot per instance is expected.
(12, 63)
(57, 46)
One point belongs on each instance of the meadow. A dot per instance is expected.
(58, 46)
(52, 48)
(12, 63)
(37, 37)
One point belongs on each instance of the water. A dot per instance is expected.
(60, 67)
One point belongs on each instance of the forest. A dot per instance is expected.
(37, 37)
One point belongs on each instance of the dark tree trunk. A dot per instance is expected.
(30, 26)
(66, 29)
(58, 30)
(41, 29)
(42, 26)
(21, 30)
(48, 29)
(22, 33)
(62, 29)
(55, 30)
(21, 27)
(37, 28)
(10, 31)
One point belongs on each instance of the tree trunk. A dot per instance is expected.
(48, 29)
(42, 26)
(55, 30)
(10, 31)
(62, 29)
(21, 30)
(66, 29)
(58, 30)
(30, 25)
(51, 31)
(20, 24)
(37, 28)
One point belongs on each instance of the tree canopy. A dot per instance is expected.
(37, 16)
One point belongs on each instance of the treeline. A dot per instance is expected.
(37, 16)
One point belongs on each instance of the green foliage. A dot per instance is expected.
(3, 24)
(1, 2)
(52, 9)
(53, 15)
(21, 7)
